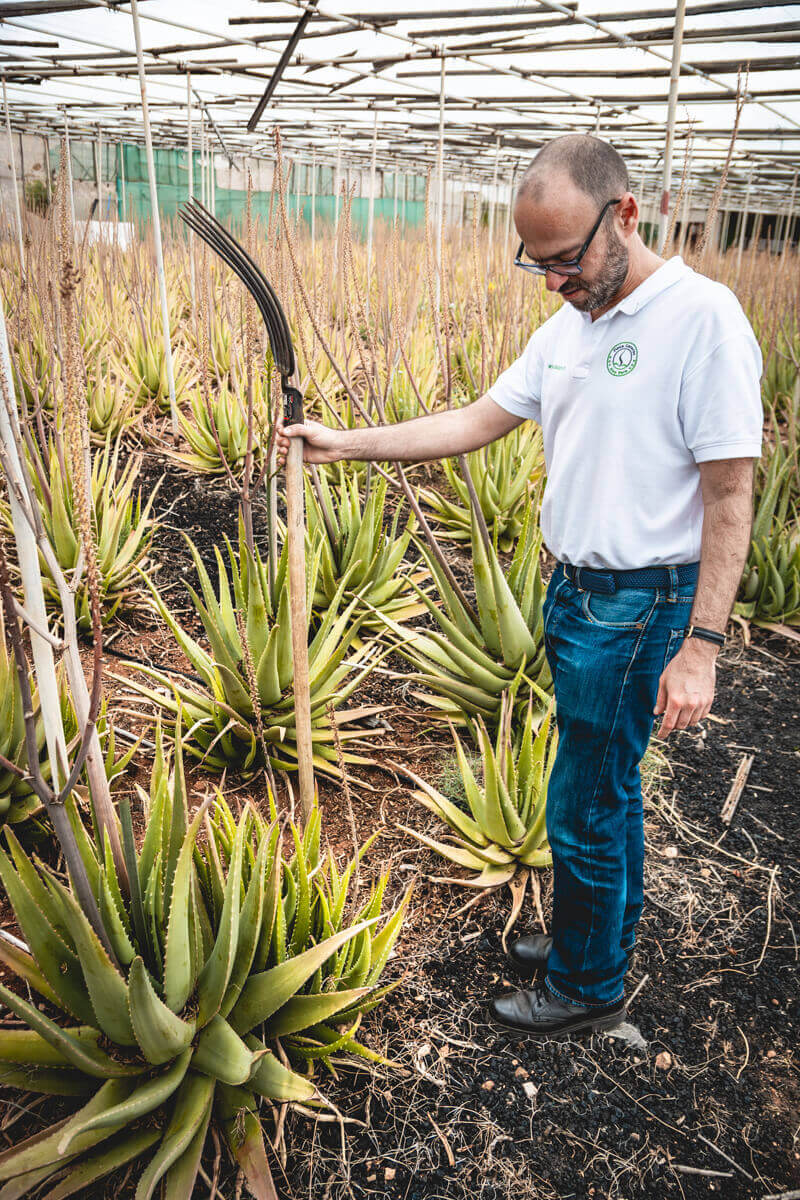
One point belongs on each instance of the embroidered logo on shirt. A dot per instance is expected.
(556, 367)
(622, 358)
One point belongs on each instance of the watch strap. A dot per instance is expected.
(707, 635)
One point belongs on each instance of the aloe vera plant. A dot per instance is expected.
(355, 544)
(244, 710)
(172, 1028)
(313, 906)
(468, 664)
(227, 416)
(499, 836)
(124, 529)
(109, 408)
(18, 802)
(144, 367)
(770, 587)
(505, 474)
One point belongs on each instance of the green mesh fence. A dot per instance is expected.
(128, 162)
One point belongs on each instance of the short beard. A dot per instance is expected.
(611, 274)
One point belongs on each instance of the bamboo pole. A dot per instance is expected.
(296, 537)
(672, 104)
(14, 184)
(151, 174)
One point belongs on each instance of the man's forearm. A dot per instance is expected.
(725, 543)
(439, 435)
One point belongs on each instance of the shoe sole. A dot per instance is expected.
(587, 1025)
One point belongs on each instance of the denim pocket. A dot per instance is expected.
(674, 644)
(628, 608)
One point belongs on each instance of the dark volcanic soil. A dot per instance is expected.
(698, 1095)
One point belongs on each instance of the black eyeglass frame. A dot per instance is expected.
(572, 265)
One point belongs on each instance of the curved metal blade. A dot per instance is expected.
(207, 227)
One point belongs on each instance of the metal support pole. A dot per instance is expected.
(151, 174)
(511, 175)
(440, 178)
(787, 228)
(404, 217)
(203, 193)
(672, 104)
(492, 206)
(190, 182)
(212, 177)
(46, 141)
(99, 173)
(371, 208)
(493, 197)
(743, 227)
(313, 197)
(17, 210)
(337, 176)
(122, 180)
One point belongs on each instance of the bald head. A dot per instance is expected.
(591, 165)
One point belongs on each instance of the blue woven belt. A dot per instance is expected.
(594, 580)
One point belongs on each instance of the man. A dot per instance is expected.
(646, 385)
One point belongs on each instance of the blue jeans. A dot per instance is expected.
(606, 653)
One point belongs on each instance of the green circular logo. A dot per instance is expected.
(622, 358)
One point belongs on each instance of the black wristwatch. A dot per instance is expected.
(708, 635)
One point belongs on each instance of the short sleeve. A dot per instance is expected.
(720, 402)
(519, 388)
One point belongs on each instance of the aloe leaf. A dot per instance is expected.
(104, 983)
(77, 1046)
(265, 993)
(144, 1099)
(190, 1115)
(95, 1166)
(179, 976)
(244, 1135)
(213, 979)
(271, 1079)
(301, 1012)
(161, 1034)
(221, 1053)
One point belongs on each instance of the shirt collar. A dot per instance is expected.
(662, 278)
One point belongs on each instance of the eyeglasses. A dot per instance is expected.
(573, 265)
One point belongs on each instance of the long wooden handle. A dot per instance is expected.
(295, 532)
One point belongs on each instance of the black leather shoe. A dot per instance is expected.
(542, 1015)
(529, 954)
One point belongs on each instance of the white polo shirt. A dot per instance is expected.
(629, 404)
